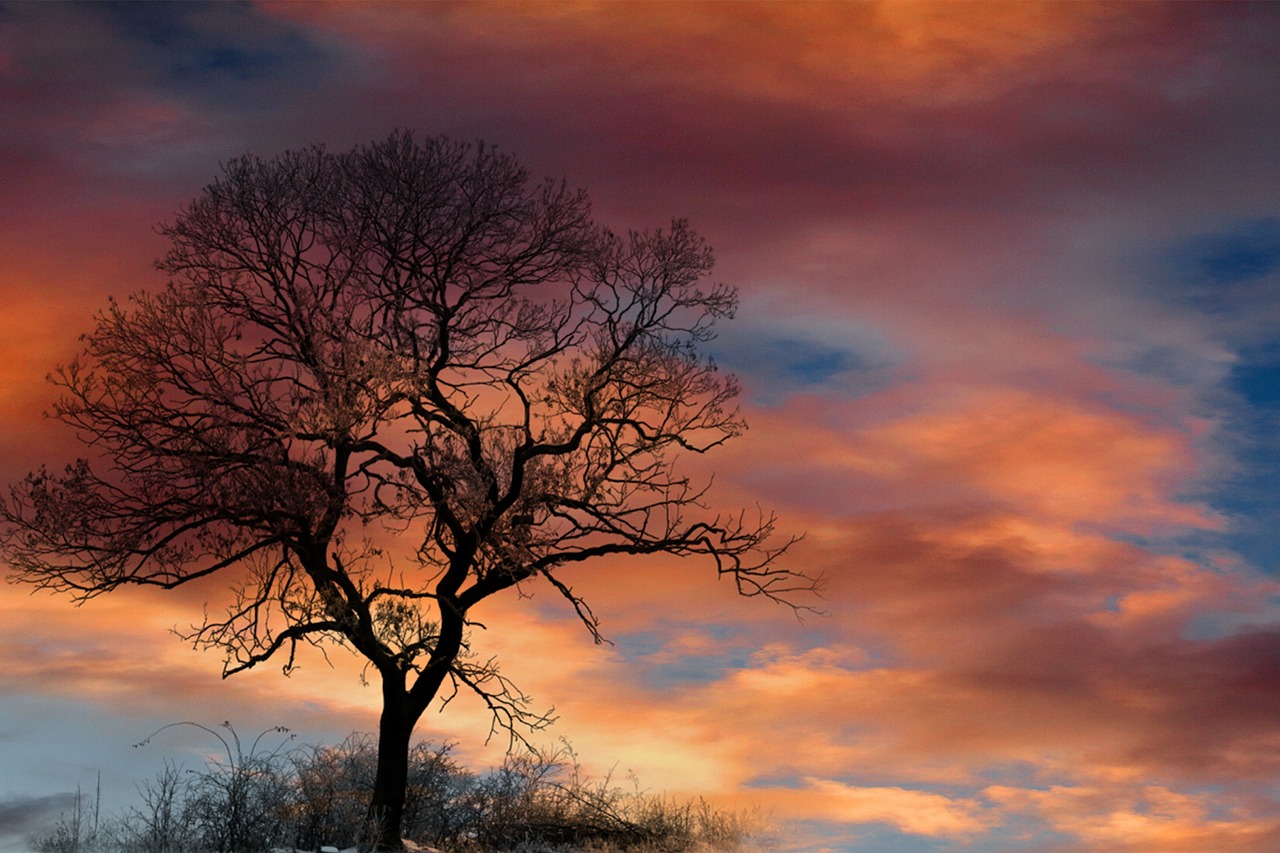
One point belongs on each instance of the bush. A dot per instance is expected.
(257, 799)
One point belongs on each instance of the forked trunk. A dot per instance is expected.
(401, 709)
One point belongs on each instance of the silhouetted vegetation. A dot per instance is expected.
(252, 799)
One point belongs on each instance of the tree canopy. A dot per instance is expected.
(409, 341)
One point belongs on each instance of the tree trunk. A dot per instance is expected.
(386, 807)
(401, 709)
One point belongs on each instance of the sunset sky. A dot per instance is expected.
(1009, 338)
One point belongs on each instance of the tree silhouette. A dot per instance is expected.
(408, 341)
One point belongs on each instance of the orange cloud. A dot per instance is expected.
(809, 50)
(1055, 460)
(913, 812)
(1114, 819)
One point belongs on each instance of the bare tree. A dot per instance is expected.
(406, 340)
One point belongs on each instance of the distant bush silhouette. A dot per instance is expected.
(253, 799)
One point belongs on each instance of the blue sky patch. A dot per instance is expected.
(1258, 382)
(1213, 267)
(210, 46)
(1246, 252)
(806, 362)
(777, 357)
(789, 358)
(1248, 497)
(661, 670)
(1229, 278)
